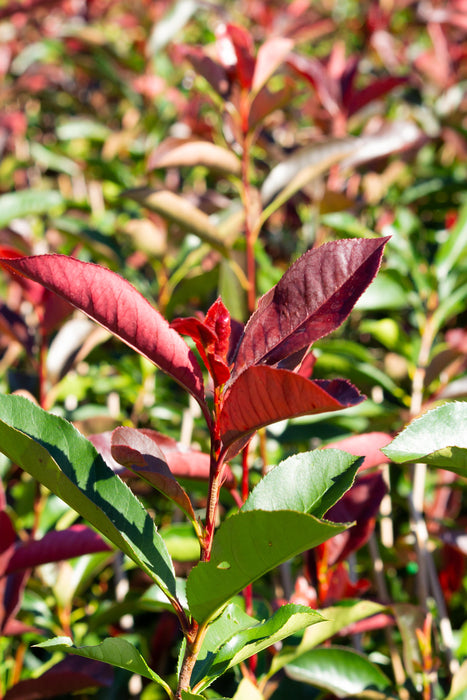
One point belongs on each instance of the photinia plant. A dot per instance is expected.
(255, 380)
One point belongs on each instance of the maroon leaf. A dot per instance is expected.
(360, 504)
(65, 678)
(376, 89)
(55, 546)
(213, 72)
(312, 299)
(263, 395)
(114, 303)
(138, 450)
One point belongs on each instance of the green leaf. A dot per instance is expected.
(340, 671)
(115, 651)
(383, 293)
(347, 223)
(245, 547)
(310, 482)
(186, 695)
(251, 640)
(247, 691)
(438, 437)
(58, 456)
(335, 619)
(459, 684)
(452, 249)
(82, 128)
(16, 205)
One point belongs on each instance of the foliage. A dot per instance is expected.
(214, 185)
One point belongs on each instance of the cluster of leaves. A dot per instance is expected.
(198, 149)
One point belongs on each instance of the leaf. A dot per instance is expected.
(340, 671)
(75, 541)
(299, 169)
(448, 254)
(247, 691)
(438, 437)
(177, 153)
(310, 482)
(115, 651)
(263, 395)
(312, 299)
(180, 211)
(459, 684)
(335, 619)
(117, 306)
(287, 620)
(392, 137)
(212, 71)
(17, 205)
(269, 57)
(368, 445)
(138, 450)
(167, 26)
(68, 677)
(58, 456)
(245, 547)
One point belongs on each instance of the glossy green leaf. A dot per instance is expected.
(335, 619)
(16, 205)
(341, 671)
(310, 482)
(56, 454)
(113, 650)
(452, 249)
(186, 695)
(245, 547)
(438, 437)
(239, 646)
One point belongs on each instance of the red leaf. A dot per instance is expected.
(235, 49)
(270, 56)
(138, 450)
(367, 445)
(55, 546)
(114, 303)
(212, 339)
(214, 73)
(360, 503)
(263, 395)
(372, 92)
(183, 462)
(65, 678)
(312, 299)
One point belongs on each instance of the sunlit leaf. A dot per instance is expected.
(438, 437)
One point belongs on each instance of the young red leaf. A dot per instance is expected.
(263, 395)
(235, 49)
(366, 445)
(312, 299)
(114, 303)
(138, 450)
(212, 339)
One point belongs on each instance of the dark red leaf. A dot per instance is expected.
(138, 450)
(65, 678)
(76, 541)
(213, 72)
(359, 504)
(372, 92)
(114, 303)
(312, 299)
(263, 395)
